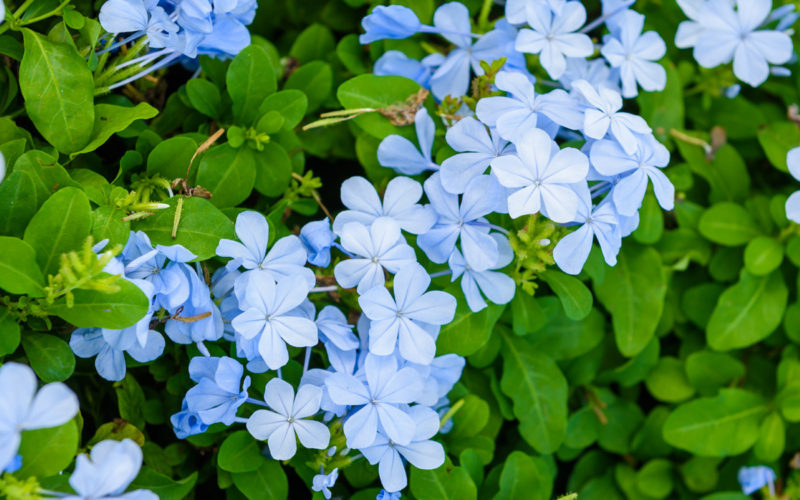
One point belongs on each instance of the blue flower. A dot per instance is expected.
(187, 423)
(542, 176)
(604, 115)
(552, 35)
(633, 52)
(25, 409)
(198, 319)
(220, 390)
(609, 159)
(388, 495)
(110, 347)
(269, 318)
(288, 419)
(498, 287)
(14, 465)
(380, 247)
(287, 257)
(463, 221)
(393, 22)
(399, 203)
(793, 202)
(520, 110)
(323, 483)
(412, 316)
(399, 153)
(476, 147)
(753, 479)
(421, 451)
(599, 222)
(377, 404)
(107, 471)
(169, 279)
(394, 62)
(719, 34)
(317, 238)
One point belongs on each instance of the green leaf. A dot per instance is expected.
(92, 308)
(201, 227)
(164, 487)
(228, 173)
(107, 223)
(20, 198)
(130, 400)
(46, 452)
(788, 400)
(59, 92)
(61, 225)
(444, 483)
(315, 80)
(314, 42)
(655, 478)
(9, 333)
(763, 255)
(575, 296)
(728, 224)
(171, 157)
(371, 91)
(205, 97)
(291, 104)
(667, 382)
(633, 291)
(268, 482)
(50, 357)
(524, 476)
(562, 338)
(664, 110)
(117, 431)
(777, 139)
(771, 438)
(747, 312)
(273, 170)
(539, 392)
(110, 119)
(19, 272)
(709, 371)
(722, 426)
(471, 418)
(240, 453)
(468, 331)
(250, 79)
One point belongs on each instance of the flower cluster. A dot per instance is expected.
(510, 154)
(172, 29)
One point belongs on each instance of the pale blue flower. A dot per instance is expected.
(389, 22)
(380, 247)
(388, 495)
(609, 159)
(542, 176)
(793, 202)
(634, 53)
(317, 238)
(394, 62)
(110, 347)
(268, 317)
(598, 222)
(23, 408)
(719, 34)
(324, 482)
(498, 287)
(604, 115)
(552, 35)
(288, 419)
(412, 317)
(463, 220)
(161, 266)
(220, 390)
(522, 110)
(397, 152)
(421, 451)
(399, 203)
(476, 147)
(107, 472)
(205, 319)
(379, 403)
(753, 479)
(595, 71)
(287, 257)
(187, 423)
(14, 465)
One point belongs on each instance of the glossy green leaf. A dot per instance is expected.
(92, 308)
(291, 104)
(575, 296)
(110, 119)
(524, 476)
(371, 91)
(46, 452)
(250, 80)
(268, 482)
(19, 272)
(728, 224)
(228, 173)
(50, 357)
(240, 452)
(205, 97)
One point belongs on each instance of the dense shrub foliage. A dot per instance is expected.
(367, 249)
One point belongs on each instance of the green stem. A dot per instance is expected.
(112, 75)
(22, 8)
(53, 12)
(452, 411)
(483, 17)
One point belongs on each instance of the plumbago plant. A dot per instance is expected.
(358, 249)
